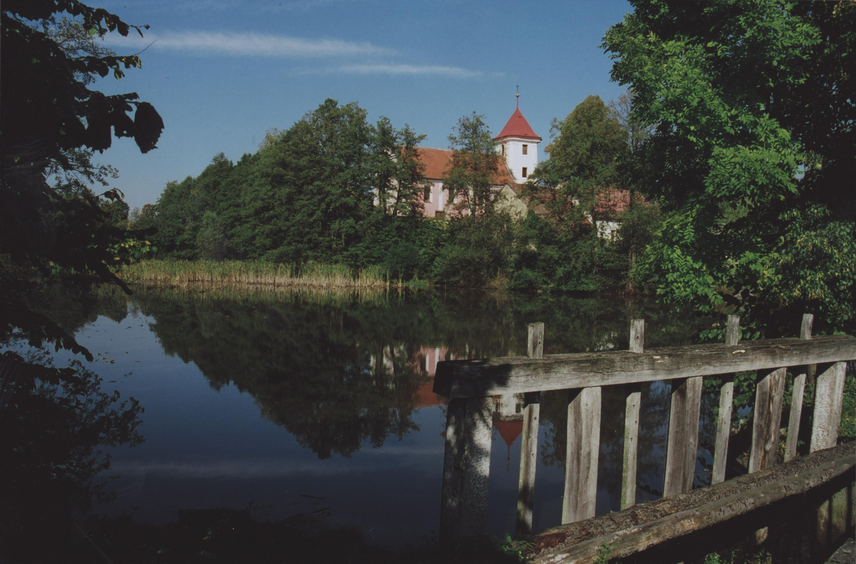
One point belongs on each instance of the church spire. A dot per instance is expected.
(518, 143)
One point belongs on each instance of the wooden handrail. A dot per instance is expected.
(470, 383)
(509, 375)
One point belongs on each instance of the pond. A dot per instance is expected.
(320, 406)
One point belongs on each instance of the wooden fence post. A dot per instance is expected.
(529, 441)
(466, 468)
(583, 451)
(827, 407)
(631, 422)
(683, 436)
(828, 398)
(797, 395)
(726, 403)
(767, 420)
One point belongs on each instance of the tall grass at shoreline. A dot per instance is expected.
(174, 273)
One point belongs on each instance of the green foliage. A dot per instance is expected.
(398, 172)
(51, 122)
(211, 241)
(116, 213)
(515, 549)
(479, 249)
(588, 148)
(847, 430)
(748, 158)
(603, 553)
(735, 557)
(639, 226)
(474, 168)
(565, 258)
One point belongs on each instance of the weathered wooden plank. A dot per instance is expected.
(495, 376)
(466, 469)
(535, 340)
(732, 330)
(632, 405)
(726, 402)
(683, 436)
(797, 396)
(529, 441)
(767, 419)
(630, 532)
(528, 463)
(827, 407)
(637, 335)
(583, 452)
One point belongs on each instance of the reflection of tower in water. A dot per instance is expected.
(508, 420)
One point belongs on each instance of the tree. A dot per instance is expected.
(575, 185)
(474, 168)
(178, 217)
(398, 173)
(584, 158)
(50, 119)
(312, 187)
(753, 153)
(211, 242)
(637, 225)
(182, 206)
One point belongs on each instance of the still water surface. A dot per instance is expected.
(313, 404)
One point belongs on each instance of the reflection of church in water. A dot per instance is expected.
(508, 409)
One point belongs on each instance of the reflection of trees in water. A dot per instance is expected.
(336, 371)
(54, 426)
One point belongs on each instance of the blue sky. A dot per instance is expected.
(222, 72)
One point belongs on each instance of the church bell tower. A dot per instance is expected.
(518, 143)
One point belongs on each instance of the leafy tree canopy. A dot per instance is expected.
(474, 167)
(589, 145)
(50, 122)
(753, 154)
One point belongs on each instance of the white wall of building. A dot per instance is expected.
(521, 156)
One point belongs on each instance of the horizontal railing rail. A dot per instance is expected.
(509, 375)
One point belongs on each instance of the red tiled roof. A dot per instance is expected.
(517, 126)
(436, 162)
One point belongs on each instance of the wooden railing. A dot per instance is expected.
(470, 385)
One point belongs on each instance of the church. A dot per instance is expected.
(517, 143)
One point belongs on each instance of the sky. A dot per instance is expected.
(223, 72)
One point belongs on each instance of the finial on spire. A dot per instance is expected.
(518, 96)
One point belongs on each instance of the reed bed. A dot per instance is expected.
(173, 273)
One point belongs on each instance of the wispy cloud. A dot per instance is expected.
(364, 54)
(208, 6)
(406, 69)
(252, 44)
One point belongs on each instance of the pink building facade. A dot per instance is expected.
(518, 145)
